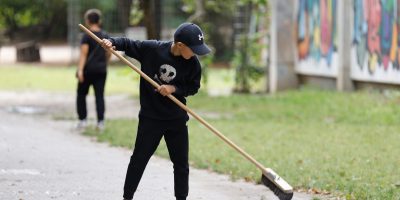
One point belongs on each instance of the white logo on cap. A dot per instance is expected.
(201, 36)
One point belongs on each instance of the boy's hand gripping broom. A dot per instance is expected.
(269, 178)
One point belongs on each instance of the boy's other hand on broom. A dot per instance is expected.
(107, 44)
(166, 90)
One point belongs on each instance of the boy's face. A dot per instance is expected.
(185, 51)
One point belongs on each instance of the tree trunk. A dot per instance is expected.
(124, 11)
(152, 18)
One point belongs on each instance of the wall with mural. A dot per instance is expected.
(376, 41)
(316, 38)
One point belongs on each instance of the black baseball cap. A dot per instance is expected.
(191, 35)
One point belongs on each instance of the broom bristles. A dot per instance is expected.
(282, 195)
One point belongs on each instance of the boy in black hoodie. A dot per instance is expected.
(175, 67)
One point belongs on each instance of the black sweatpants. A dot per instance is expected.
(98, 80)
(148, 137)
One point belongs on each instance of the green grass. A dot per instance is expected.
(62, 79)
(120, 79)
(221, 81)
(345, 143)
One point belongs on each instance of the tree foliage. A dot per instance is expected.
(241, 46)
(45, 19)
(215, 18)
(17, 15)
(247, 60)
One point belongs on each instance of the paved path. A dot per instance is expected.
(62, 105)
(45, 159)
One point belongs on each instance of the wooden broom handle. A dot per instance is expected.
(180, 104)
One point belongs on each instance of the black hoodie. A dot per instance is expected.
(162, 66)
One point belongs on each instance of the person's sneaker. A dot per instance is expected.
(82, 124)
(100, 125)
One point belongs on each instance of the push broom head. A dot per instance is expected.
(275, 183)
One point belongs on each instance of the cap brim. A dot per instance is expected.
(200, 50)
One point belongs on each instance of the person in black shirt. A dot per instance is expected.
(92, 70)
(176, 68)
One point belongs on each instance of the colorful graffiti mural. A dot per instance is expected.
(316, 37)
(376, 37)
(316, 29)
